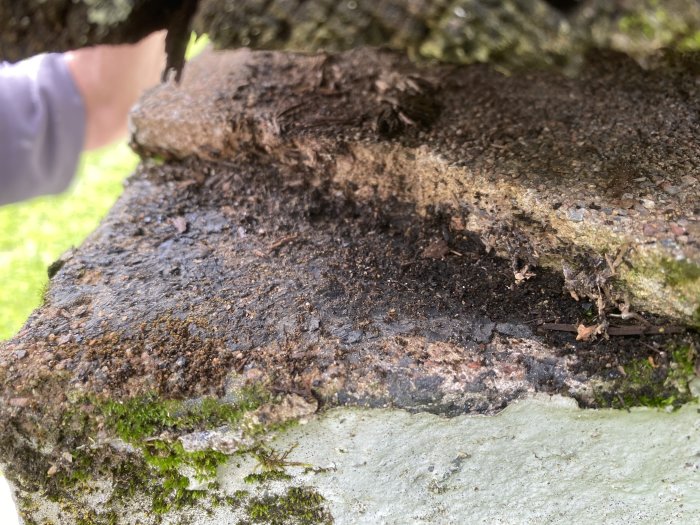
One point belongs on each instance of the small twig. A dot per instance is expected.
(283, 241)
(271, 460)
(620, 330)
(645, 330)
(652, 348)
(289, 109)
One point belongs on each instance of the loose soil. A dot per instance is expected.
(208, 268)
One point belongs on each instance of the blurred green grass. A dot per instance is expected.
(35, 233)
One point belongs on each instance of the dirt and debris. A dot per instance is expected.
(275, 239)
(586, 333)
(306, 252)
(546, 170)
(350, 303)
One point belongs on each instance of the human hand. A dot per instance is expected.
(110, 80)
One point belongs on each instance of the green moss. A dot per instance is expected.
(684, 362)
(666, 286)
(270, 475)
(680, 273)
(89, 517)
(261, 429)
(643, 387)
(299, 505)
(159, 465)
(659, 387)
(654, 23)
(140, 422)
(141, 417)
(231, 501)
(691, 42)
(156, 464)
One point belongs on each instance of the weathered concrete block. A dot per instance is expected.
(312, 232)
(309, 232)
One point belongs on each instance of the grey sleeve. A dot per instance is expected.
(42, 127)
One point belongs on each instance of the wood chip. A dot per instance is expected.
(180, 224)
(585, 333)
(283, 241)
(436, 249)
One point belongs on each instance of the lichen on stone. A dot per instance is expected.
(108, 12)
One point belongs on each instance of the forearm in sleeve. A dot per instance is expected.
(42, 127)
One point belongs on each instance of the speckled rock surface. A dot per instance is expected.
(572, 174)
(507, 32)
(253, 284)
(310, 232)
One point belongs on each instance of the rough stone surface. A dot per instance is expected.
(308, 232)
(207, 269)
(576, 174)
(507, 32)
(540, 461)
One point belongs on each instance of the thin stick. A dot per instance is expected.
(620, 330)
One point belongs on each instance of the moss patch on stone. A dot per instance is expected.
(141, 417)
(645, 383)
(155, 463)
(269, 475)
(680, 281)
(298, 505)
(137, 421)
(681, 273)
(654, 23)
